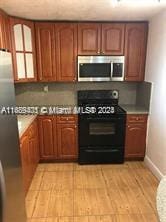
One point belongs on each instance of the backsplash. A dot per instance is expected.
(66, 93)
(144, 94)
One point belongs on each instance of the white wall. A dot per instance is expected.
(156, 73)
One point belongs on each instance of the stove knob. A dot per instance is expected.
(115, 94)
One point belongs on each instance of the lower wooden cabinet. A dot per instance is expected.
(29, 149)
(135, 144)
(47, 136)
(67, 141)
(58, 137)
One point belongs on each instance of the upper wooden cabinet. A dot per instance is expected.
(135, 51)
(89, 38)
(113, 39)
(46, 51)
(5, 40)
(98, 39)
(23, 46)
(56, 51)
(66, 45)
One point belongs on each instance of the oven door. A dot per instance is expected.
(101, 131)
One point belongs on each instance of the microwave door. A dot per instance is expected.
(93, 71)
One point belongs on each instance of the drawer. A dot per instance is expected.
(137, 118)
(66, 118)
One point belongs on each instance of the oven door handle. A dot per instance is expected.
(102, 151)
(103, 118)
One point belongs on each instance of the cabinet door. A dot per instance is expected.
(113, 39)
(25, 159)
(67, 141)
(23, 45)
(47, 135)
(45, 45)
(135, 51)
(89, 37)
(66, 44)
(34, 145)
(4, 31)
(135, 140)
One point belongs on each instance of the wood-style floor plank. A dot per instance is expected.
(85, 179)
(57, 180)
(60, 167)
(30, 202)
(60, 219)
(87, 167)
(61, 203)
(92, 202)
(41, 206)
(36, 182)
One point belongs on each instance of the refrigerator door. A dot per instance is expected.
(14, 207)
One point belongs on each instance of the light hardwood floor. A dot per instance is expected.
(92, 193)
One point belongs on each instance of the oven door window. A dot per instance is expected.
(94, 70)
(102, 129)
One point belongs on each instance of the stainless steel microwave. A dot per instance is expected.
(100, 68)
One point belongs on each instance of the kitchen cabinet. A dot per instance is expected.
(67, 137)
(66, 45)
(23, 47)
(46, 51)
(56, 51)
(29, 149)
(98, 39)
(113, 39)
(48, 137)
(58, 137)
(135, 144)
(89, 37)
(5, 40)
(135, 51)
(25, 160)
(34, 145)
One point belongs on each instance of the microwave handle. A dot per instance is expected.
(111, 69)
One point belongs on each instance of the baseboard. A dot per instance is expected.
(153, 168)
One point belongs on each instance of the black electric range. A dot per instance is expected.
(102, 125)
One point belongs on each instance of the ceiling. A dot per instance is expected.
(92, 10)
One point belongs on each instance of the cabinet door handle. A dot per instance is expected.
(98, 52)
